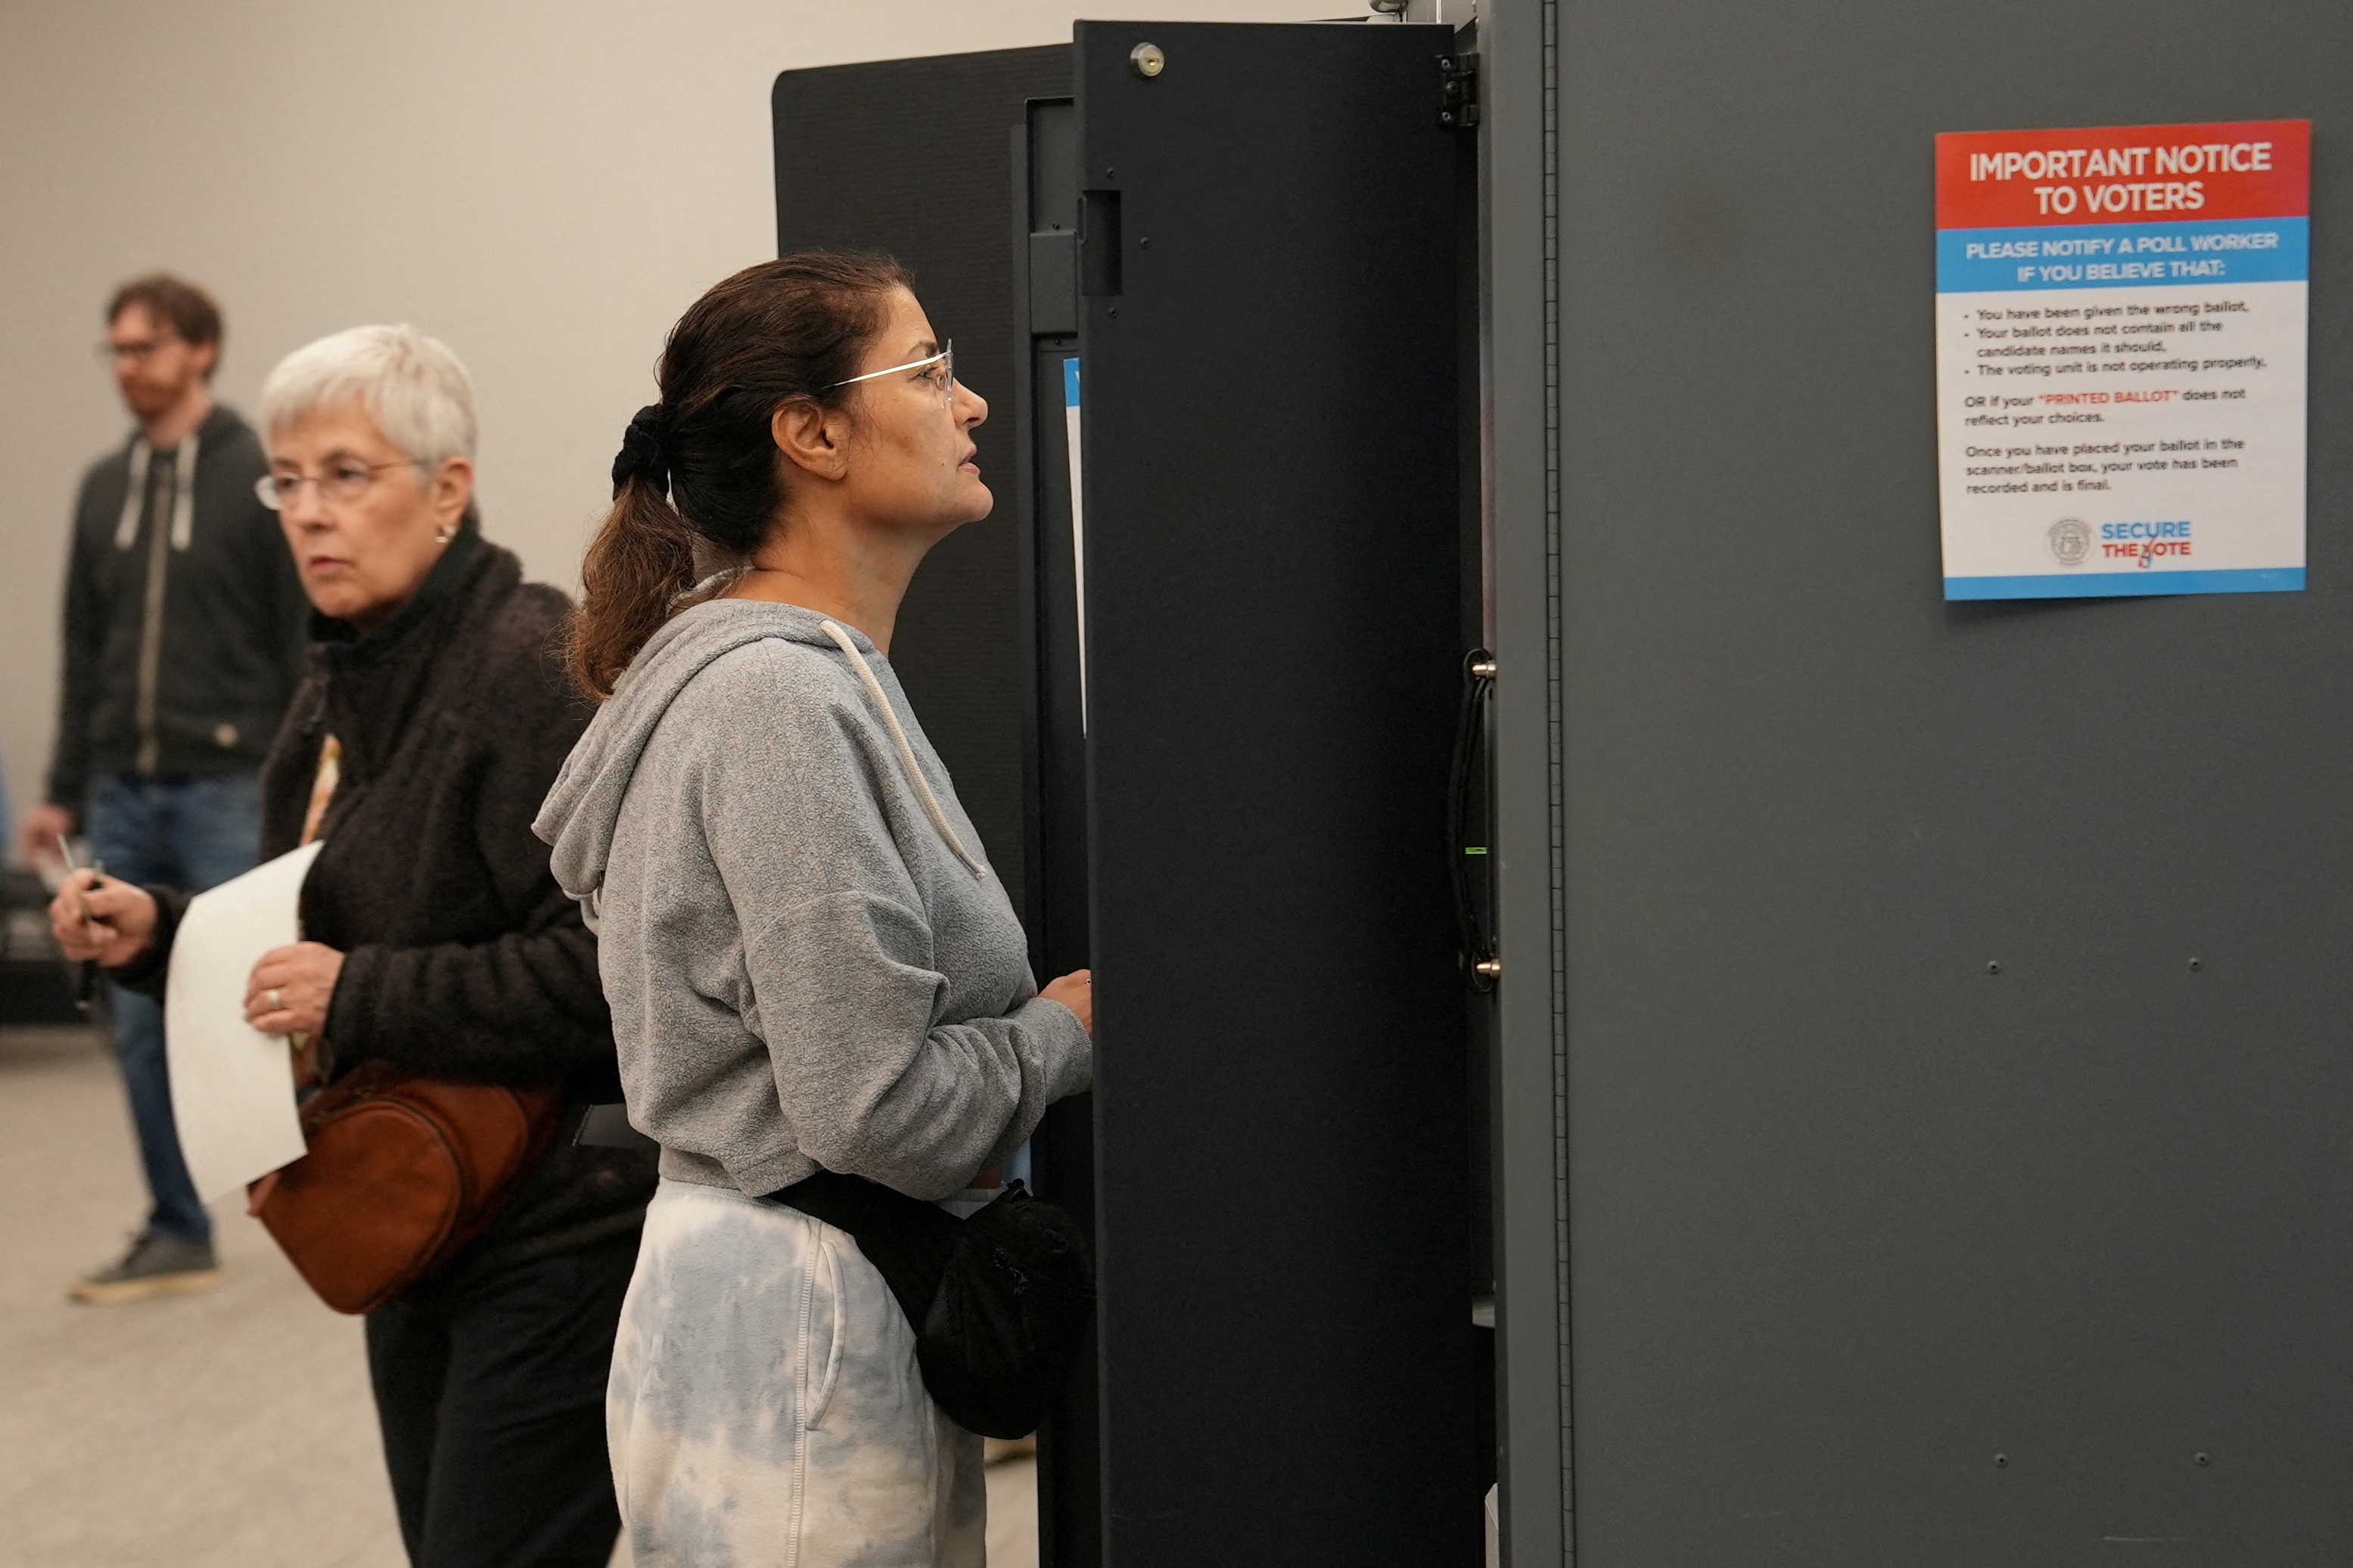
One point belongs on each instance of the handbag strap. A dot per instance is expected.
(908, 1240)
(314, 1059)
(323, 784)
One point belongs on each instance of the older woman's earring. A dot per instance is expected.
(444, 534)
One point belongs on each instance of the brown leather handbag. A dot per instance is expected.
(403, 1171)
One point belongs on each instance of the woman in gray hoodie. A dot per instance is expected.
(810, 962)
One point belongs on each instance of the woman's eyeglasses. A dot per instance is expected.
(939, 370)
(346, 481)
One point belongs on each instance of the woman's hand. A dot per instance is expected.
(290, 989)
(98, 919)
(1076, 991)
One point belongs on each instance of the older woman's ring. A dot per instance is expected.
(276, 1000)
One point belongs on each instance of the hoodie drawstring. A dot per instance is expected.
(184, 494)
(906, 752)
(126, 530)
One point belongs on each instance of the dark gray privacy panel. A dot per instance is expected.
(1882, 1254)
(911, 157)
(1268, 367)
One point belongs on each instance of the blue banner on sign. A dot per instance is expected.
(1071, 382)
(2124, 255)
(2119, 585)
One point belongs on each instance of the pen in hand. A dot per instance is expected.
(86, 983)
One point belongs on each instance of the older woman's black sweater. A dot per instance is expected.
(462, 957)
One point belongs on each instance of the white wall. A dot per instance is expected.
(544, 186)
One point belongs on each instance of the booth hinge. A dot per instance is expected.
(1466, 812)
(1458, 90)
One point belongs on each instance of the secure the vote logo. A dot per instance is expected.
(2071, 541)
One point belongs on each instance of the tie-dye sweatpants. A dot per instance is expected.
(765, 1410)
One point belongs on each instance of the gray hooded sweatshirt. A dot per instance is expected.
(809, 961)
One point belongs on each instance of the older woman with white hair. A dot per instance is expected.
(435, 717)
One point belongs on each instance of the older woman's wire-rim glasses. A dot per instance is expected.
(344, 482)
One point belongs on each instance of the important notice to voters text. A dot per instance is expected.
(2120, 360)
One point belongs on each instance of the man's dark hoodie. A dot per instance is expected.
(184, 621)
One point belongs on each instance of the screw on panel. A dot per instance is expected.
(1147, 60)
(1458, 89)
(2001, 1461)
(2203, 1459)
(1993, 968)
(2195, 966)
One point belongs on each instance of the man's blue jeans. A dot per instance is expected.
(190, 834)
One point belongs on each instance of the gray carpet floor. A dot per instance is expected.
(230, 1430)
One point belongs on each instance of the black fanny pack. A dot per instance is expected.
(999, 1302)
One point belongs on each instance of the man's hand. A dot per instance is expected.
(99, 918)
(1076, 991)
(290, 989)
(37, 834)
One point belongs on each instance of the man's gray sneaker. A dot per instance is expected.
(155, 1266)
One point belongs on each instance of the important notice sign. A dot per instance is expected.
(2120, 359)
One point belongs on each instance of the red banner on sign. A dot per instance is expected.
(2124, 173)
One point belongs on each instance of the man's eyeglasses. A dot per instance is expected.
(346, 481)
(138, 352)
(939, 370)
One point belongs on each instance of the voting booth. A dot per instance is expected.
(1689, 675)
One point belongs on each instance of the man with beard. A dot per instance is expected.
(183, 640)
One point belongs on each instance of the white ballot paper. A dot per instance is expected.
(232, 1086)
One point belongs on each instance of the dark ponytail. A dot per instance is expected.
(780, 330)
